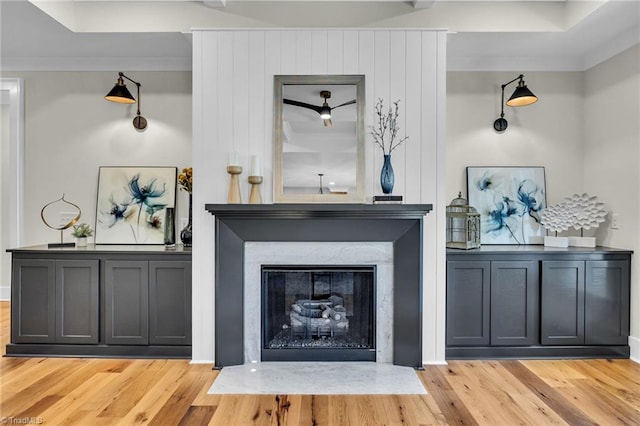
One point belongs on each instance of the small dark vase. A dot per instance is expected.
(185, 235)
(169, 228)
(387, 178)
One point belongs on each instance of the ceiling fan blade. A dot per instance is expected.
(327, 122)
(346, 103)
(301, 104)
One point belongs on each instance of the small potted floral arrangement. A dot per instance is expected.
(81, 232)
(185, 179)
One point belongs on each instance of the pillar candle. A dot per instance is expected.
(255, 166)
(233, 158)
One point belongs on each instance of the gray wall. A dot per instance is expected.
(70, 131)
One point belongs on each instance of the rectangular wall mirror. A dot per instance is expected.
(319, 139)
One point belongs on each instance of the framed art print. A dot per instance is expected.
(131, 204)
(509, 200)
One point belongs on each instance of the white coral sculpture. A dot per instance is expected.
(556, 218)
(587, 213)
(578, 211)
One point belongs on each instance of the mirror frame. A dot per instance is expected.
(278, 188)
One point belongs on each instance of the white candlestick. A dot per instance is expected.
(233, 158)
(255, 166)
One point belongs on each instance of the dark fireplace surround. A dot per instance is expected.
(236, 224)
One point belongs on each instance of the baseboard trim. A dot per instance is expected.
(202, 361)
(634, 344)
(5, 293)
(435, 363)
(96, 351)
(535, 352)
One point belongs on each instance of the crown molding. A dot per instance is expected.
(96, 64)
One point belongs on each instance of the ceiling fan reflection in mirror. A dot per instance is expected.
(324, 110)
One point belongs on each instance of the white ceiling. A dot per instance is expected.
(154, 35)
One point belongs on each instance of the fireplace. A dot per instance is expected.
(318, 313)
(399, 224)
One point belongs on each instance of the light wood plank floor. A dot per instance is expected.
(55, 391)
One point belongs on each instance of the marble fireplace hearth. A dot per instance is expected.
(400, 224)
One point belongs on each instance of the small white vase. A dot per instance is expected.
(81, 241)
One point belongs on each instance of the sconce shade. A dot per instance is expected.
(522, 96)
(120, 94)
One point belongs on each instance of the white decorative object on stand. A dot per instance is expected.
(556, 241)
(556, 219)
(578, 211)
(587, 214)
(582, 241)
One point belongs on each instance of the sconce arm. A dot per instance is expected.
(138, 86)
(133, 81)
(520, 77)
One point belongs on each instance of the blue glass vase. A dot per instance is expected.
(387, 179)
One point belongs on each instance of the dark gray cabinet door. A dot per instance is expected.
(606, 305)
(127, 302)
(468, 303)
(33, 301)
(77, 301)
(562, 303)
(169, 303)
(514, 303)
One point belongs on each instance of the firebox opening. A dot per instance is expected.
(318, 313)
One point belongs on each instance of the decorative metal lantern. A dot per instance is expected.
(463, 225)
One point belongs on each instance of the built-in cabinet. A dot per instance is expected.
(585, 303)
(54, 301)
(492, 303)
(534, 301)
(112, 301)
(148, 302)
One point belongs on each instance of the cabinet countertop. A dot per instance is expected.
(537, 249)
(104, 249)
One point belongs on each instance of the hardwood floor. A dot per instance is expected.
(76, 391)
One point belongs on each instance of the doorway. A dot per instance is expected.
(11, 174)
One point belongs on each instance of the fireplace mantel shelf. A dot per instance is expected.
(306, 211)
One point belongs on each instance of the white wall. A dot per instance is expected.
(232, 110)
(612, 158)
(548, 133)
(71, 131)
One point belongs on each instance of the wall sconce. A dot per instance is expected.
(121, 95)
(522, 96)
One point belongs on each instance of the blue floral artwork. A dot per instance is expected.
(509, 200)
(131, 204)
